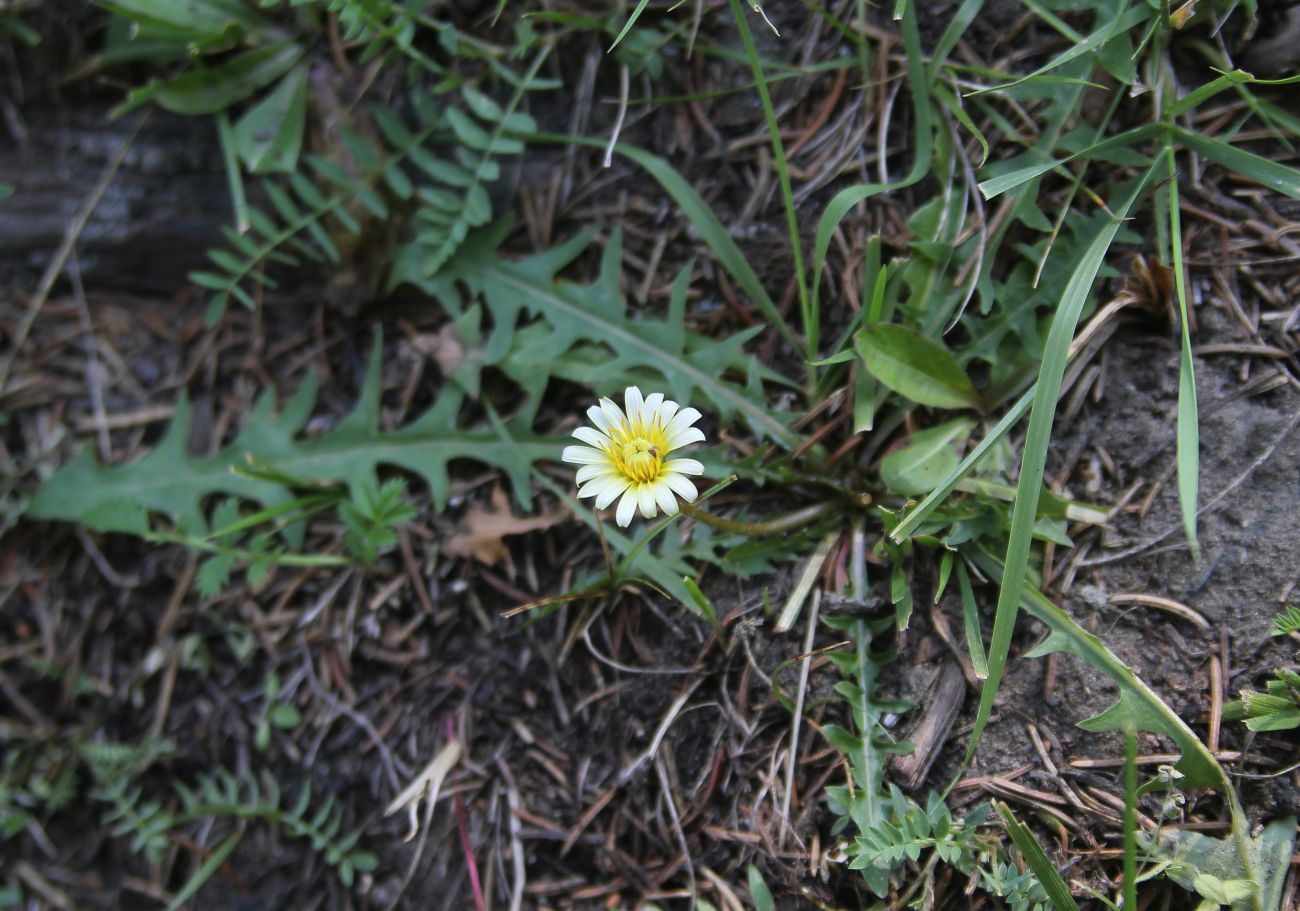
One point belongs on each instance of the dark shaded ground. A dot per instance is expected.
(558, 717)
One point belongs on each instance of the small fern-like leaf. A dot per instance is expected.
(270, 790)
(213, 796)
(300, 803)
(478, 129)
(450, 212)
(213, 574)
(1287, 622)
(384, 27)
(301, 213)
(880, 816)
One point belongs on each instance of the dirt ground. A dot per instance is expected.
(616, 749)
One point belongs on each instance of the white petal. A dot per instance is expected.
(614, 417)
(683, 466)
(626, 508)
(682, 486)
(684, 438)
(609, 493)
(645, 498)
(581, 455)
(685, 418)
(634, 402)
(664, 497)
(592, 437)
(666, 412)
(587, 472)
(598, 418)
(593, 487)
(650, 410)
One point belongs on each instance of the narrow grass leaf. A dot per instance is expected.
(1261, 170)
(996, 186)
(1205, 92)
(961, 20)
(1227, 80)
(932, 501)
(923, 143)
(1137, 705)
(958, 112)
(1188, 434)
(1058, 893)
(1092, 42)
(971, 615)
(703, 606)
(808, 309)
(627, 26)
(1130, 817)
(234, 173)
(210, 865)
(1034, 456)
(712, 231)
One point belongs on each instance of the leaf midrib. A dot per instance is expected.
(608, 329)
(203, 470)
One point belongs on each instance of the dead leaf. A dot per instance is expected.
(480, 533)
(425, 787)
(444, 347)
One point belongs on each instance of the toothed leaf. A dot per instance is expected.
(692, 367)
(173, 483)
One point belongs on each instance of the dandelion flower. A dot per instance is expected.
(626, 454)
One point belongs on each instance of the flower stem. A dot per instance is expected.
(779, 525)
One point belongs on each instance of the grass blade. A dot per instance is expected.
(961, 20)
(849, 197)
(1130, 818)
(1269, 173)
(1229, 80)
(1188, 435)
(1034, 456)
(996, 186)
(711, 230)
(811, 328)
(1131, 18)
(973, 458)
(1137, 707)
(979, 661)
(1057, 891)
(205, 870)
(234, 174)
(1137, 704)
(627, 26)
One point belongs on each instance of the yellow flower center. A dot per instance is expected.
(640, 460)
